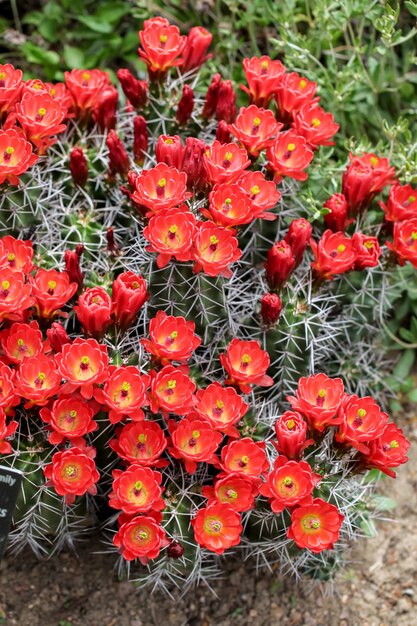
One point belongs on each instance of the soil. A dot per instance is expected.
(378, 588)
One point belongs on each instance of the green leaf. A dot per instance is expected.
(35, 54)
(404, 365)
(96, 25)
(412, 7)
(368, 527)
(74, 57)
(383, 503)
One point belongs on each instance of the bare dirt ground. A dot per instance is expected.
(379, 587)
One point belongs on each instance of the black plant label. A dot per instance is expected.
(10, 482)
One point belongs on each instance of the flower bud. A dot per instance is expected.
(222, 133)
(193, 163)
(185, 105)
(279, 264)
(135, 90)
(271, 307)
(94, 311)
(78, 167)
(57, 336)
(140, 139)
(72, 267)
(291, 432)
(210, 102)
(226, 102)
(195, 50)
(119, 162)
(297, 237)
(129, 294)
(169, 150)
(175, 550)
(337, 220)
(112, 246)
(104, 112)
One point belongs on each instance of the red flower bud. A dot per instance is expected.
(226, 102)
(367, 251)
(104, 112)
(119, 162)
(337, 220)
(129, 294)
(140, 139)
(291, 432)
(112, 246)
(185, 105)
(298, 236)
(57, 336)
(169, 150)
(195, 51)
(193, 163)
(222, 133)
(212, 95)
(136, 91)
(94, 311)
(78, 167)
(72, 267)
(271, 307)
(175, 550)
(364, 178)
(279, 264)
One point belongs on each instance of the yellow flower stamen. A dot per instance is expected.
(341, 248)
(254, 190)
(315, 122)
(219, 404)
(246, 358)
(228, 156)
(361, 413)
(162, 182)
(196, 434)
(51, 285)
(172, 384)
(291, 147)
(213, 240)
(256, 121)
(9, 150)
(290, 424)
(5, 285)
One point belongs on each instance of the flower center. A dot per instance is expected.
(70, 471)
(254, 190)
(231, 493)
(172, 230)
(244, 461)
(315, 122)
(290, 424)
(394, 444)
(216, 526)
(374, 161)
(51, 287)
(39, 380)
(142, 438)
(368, 244)
(168, 141)
(302, 83)
(287, 482)
(84, 362)
(246, 359)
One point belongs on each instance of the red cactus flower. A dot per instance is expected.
(16, 156)
(129, 294)
(217, 527)
(226, 102)
(222, 407)
(140, 537)
(21, 341)
(298, 236)
(171, 338)
(37, 380)
(136, 490)
(68, 418)
(318, 398)
(93, 311)
(124, 393)
(389, 450)
(292, 93)
(364, 178)
(86, 87)
(214, 249)
(405, 242)
(194, 442)
(161, 187)
(16, 254)
(57, 337)
(401, 204)
(288, 484)
(83, 363)
(263, 76)
(279, 264)
(315, 526)
(140, 442)
(262, 193)
(225, 162)
(229, 206)
(255, 128)
(8, 397)
(236, 491)
(170, 234)
(40, 116)
(15, 295)
(169, 150)
(367, 250)
(11, 85)
(289, 156)
(162, 46)
(333, 254)
(246, 363)
(51, 290)
(185, 105)
(362, 421)
(244, 457)
(171, 391)
(136, 91)
(337, 218)
(291, 432)
(193, 163)
(6, 431)
(72, 473)
(315, 125)
(195, 49)
(271, 307)
(78, 167)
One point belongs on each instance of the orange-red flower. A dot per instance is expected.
(51, 290)
(246, 363)
(292, 93)
(171, 338)
(37, 380)
(229, 206)
(15, 295)
(86, 87)
(315, 526)
(161, 44)
(289, 156)
(6, 431)
(244, 457)
(159, 188)
(405, 242)
(124, 393)
(222, 407)
(401, 204)
(94, 311)
(194, 441)
(58, 91)
(333, 254)
(362, 422)
(16, 156)
(318, 398)
(291, 432)
(16, 254)
(194, 53)
(72, 473)
(217, 527)
(232, 489)
(170, 234)
(136, 490)
(68, 418)
(367, 250)
(389, 450)
(141, 442)
(21, 341)
(262, 193)
(288, 484)
(337, 218)
(315, 125)
(298, 236)
(11, 85)
(214, 249)
(129, 294)
(364, 178)
(279, 264)
(40, 116)
(225, 162)
(255, 128)
(83, 363)
(171, 391)
(263, 76)
(140, 537)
